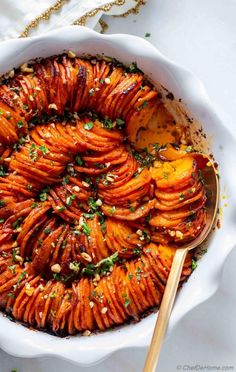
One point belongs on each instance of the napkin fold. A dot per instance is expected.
(31, 17)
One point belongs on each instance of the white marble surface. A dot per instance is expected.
(201, 35)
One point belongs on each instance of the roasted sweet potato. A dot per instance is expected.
(88, 225)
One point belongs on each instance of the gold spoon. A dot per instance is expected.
(212, 186)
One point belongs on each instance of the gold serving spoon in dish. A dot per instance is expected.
(211, 184)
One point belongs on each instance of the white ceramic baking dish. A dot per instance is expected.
(19, 340)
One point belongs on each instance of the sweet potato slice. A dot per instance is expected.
(175, 174)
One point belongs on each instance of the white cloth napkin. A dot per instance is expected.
(16, 16)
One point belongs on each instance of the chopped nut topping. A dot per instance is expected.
(18, 258)
(71, 54)
(26, 68)
(56, 268)
(98, 202)
(86, 256)
(86, 333)
(29, 290)
(107, 81)
(76, 188)
(85, 184)
(97, 277)
(104, 310)
(41, 288)
(91, 304)
(179, 234)
(52, 106)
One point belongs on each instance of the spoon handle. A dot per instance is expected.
(165, 310)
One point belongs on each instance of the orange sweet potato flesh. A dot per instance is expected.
(176, 174)
(88, 231)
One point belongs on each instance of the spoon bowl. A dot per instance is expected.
(209, 176)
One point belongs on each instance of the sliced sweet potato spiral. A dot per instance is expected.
(88, 225)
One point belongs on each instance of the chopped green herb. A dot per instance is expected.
(33, 153)
(127, 302)
(44, 149)
(48, 230)
(156, 146)
(20, 124)
(133, 67)
(3, 173)
(189, 149)
(2, 220)
(86, 228)
(16, 224)
(112, 210)
(147, 34)
(43, 196)
(137, 250)
(194, 264)
(143, 105)
(61, 209)
(107, 123)
(120, 122)
(102, 267)
(53, 295)
(11, 295)
(2, 203)
(34, 205)
(132, 208)
(65, 180)
(88, 126)
(78, 160)
(181, 197)
(69, 199)
(21, 276)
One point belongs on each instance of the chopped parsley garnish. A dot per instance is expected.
(120, 122)
(88, 126)
(85, 228)
(11, 295)
(44, 149)
(181, 197)
(43, 196)
(48, 230)
(17, 223)
(147, 34)
(61, 209)
(3, 173)
(102, 267)
(69, 199)
(112, 210)
(34, 205)
(143, 105)
(21, 276)
(194, 264)
(133, 67)
(33, 153)
(189, 149)
(65, 180)
(78, 160)
(20, 124)
(107, 123)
